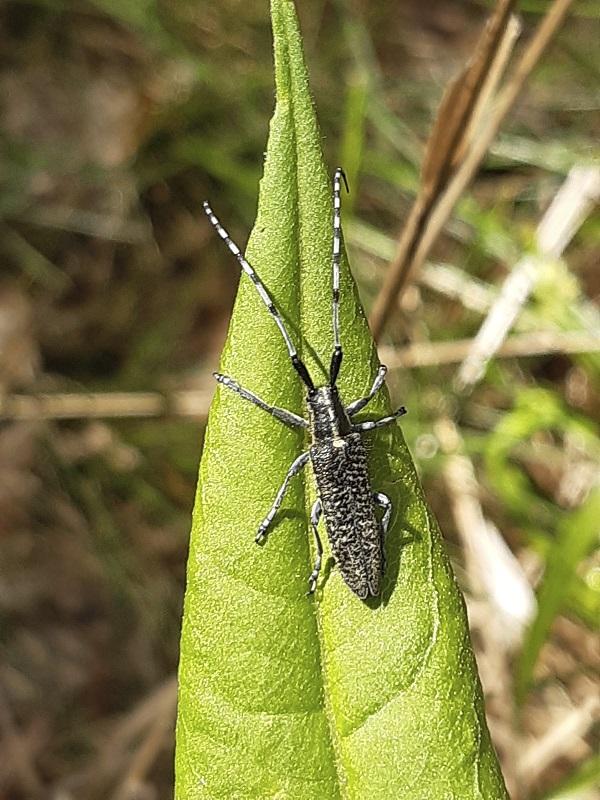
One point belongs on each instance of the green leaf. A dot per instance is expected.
(284, 695)
(577, 534)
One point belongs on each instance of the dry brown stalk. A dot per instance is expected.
(421, 232)
(458, 105)
(430, 354)
(491, 85)
(192, 403)
(98, 405)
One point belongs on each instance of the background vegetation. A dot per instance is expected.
(118, 120)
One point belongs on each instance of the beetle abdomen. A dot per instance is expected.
(341, 472)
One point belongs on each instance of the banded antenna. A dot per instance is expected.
(297, 363)
(336, 358)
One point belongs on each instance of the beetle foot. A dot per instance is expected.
(261, 535)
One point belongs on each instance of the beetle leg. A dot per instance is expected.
(383, 501)
(282, 414)
(315, 516)
(371, 424)
(359, 404)
(293, 470)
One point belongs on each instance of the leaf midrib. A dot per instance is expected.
(340, 772)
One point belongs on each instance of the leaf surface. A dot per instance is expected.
(283, 695)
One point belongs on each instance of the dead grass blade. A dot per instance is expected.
(521, 345)
(425, 223)
(105, 405)
(447, 139)
(563, 218)
(195, 403)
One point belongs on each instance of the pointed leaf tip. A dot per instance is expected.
(284, 695)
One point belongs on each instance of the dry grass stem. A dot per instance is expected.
(96, 405)
(447, 141)
(491, 566)
(472, 293)
(419, 236)
(559, 740)
(538, 343)
(568, 210)
(460, 105)
(492, 82)
(505, 601)
(195, 403)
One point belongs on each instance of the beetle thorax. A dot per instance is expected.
(327, 416)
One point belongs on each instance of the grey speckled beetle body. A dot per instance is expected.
(337, 452)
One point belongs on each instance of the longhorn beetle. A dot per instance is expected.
(337, 452)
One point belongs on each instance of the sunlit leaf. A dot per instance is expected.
(283, 695)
